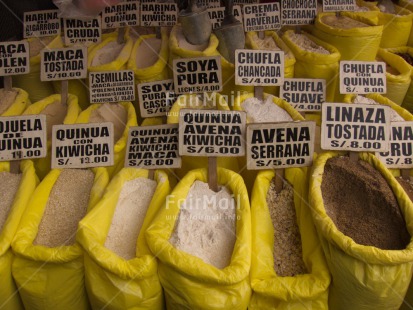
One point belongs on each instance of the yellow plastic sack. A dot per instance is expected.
(361, 43)
(408, 98)
(155, 72)
(30, 82)
(228, 69)
(189, 282)
(211, 101)
(50, 278)
(119, 63)
(42, 165)
(289, 59)
(397, 27)
(120, 145)
(363, 277)
(250, 175)
(20, 104)
(111, 281)
(9, 296)
(269, 291)
(406, 4)
(152, 121)
(397, 85)
(316, 66)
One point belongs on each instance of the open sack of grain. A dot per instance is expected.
(396, 26)
(288, 268)
(398, 74)
(121, 272)
(203, 242)
(356, 37)
(48, 268)
(406, 53)
(30, 82)
(123, 116)
(315, 59)
(149, 58)
(13, 102)
(56, 114)
(179, 47)
(15, 192)
(207, 101)
(270, 110)
(272, 42)
(365, 221)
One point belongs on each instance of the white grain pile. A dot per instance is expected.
(147, 53)
(55, 115)
(267, 43)
(206, 225)
(66, 206)
(264, 112)
(342, 22)
(111, 112)
(37, 44)
(184, 44)
(133, 202)
(288, 260)
(307, 44)
(107, 53)
(8, 187)
(7, 98)
(394, 116)
(361, 8)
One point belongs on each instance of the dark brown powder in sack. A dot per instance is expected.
(407, 186)
(362, 204)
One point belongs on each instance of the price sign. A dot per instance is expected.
(197, 75)
(212, 133)
(82, 145)
(209, 3)
(14, 58)
(154, 14)
(41, 23)
(350, 127)
(22, 137)
(400, 154)
(338, 6)
(281, 145)
(82, 31)
(259, 68)
(63, 64)
(305, 95)
(260, 17)
(244, 2)
(156, 98)
(153, 147)
(124, 14)
(362, 77)
(298, 12)
(216, 15)
(111, 86)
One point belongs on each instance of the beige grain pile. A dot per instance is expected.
(111, 112)
(147, 53)
(55, 115)
(133, 202)
(362, 205)
(267, 43)
(8, 187)
(288, 256)
(7, 98)
(307, 44)
(342, 22)
(206, 225)
(264, 111)
(107, 53)
(37, 44)
(394, 116)
(184, 44)
(66, 206)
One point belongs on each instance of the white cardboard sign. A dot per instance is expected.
(154, 14)
(124, 14)
(41, 23)
(14, 58)
(298, 12)
(22, 137)
(304, 95)
(333, 6)
(217, 14)
(82, 31)
(362, 77)
(350, 127)
(280, 145)
(63, 64)
(153, 147)
(260, 17)
(111, 86)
